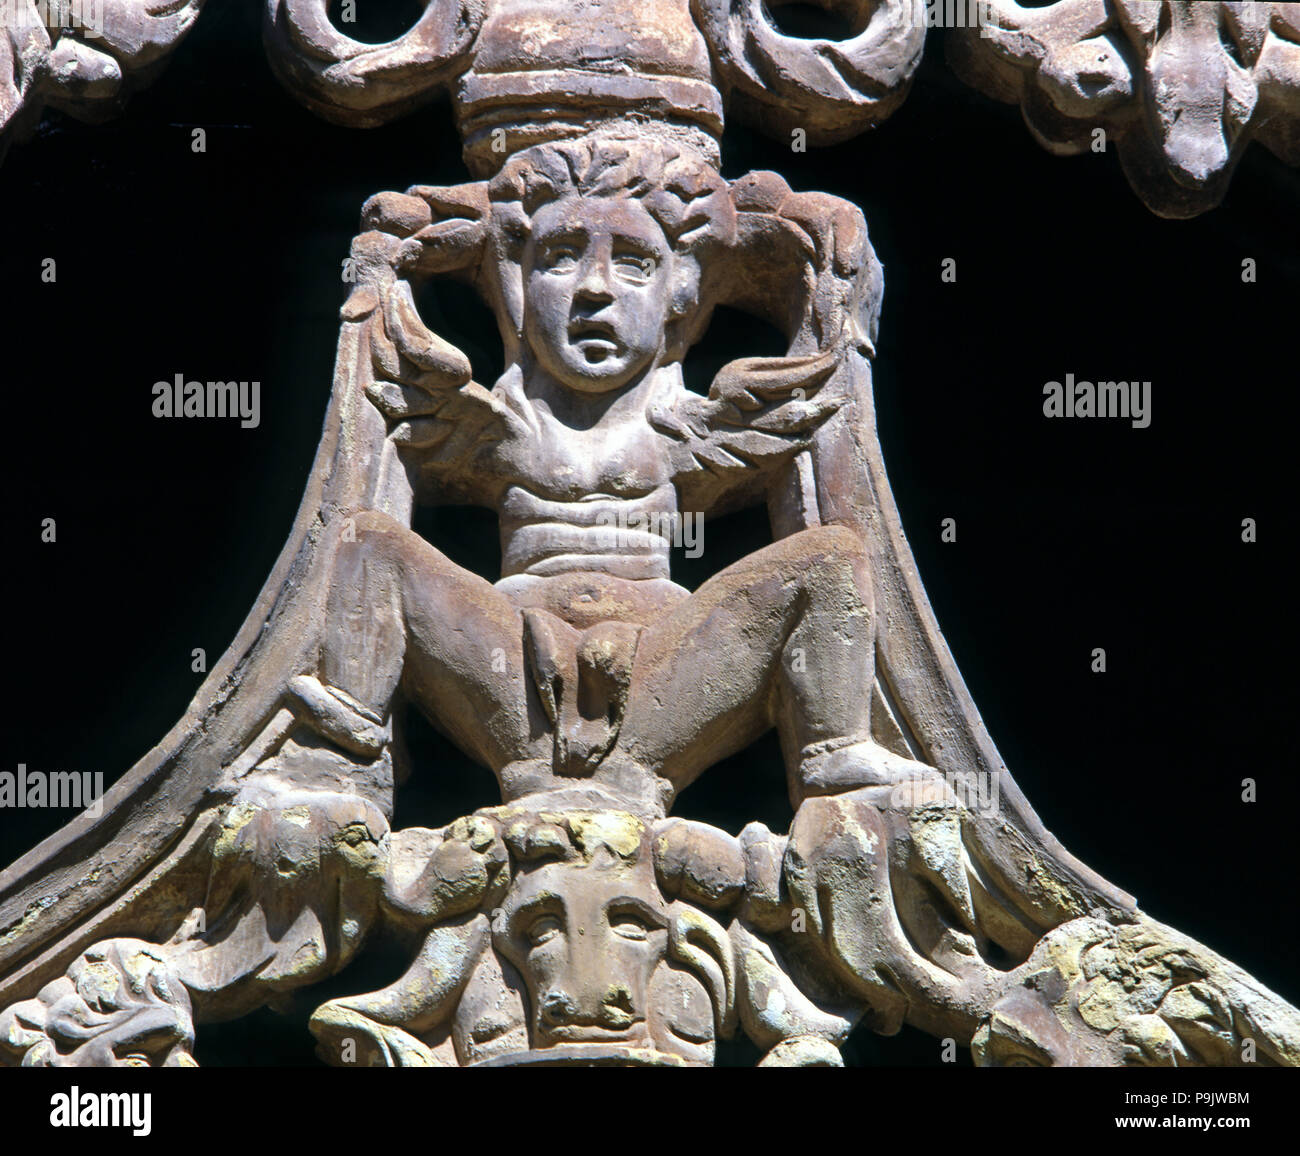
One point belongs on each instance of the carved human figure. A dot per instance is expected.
(637, 685)
(585, 678)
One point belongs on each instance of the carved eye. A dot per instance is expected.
(629, 926)
(543, 930)
(635, 267)
(560, 260)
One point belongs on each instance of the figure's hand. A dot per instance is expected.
(466, 869)
(775, 395)
(868, 765)
(339, 717)
(417, 374)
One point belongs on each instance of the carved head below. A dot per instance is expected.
(602, 953)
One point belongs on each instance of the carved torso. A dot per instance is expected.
(597, 499)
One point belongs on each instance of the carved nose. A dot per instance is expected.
(559, 1008)
(612, 1010)
(595, 283)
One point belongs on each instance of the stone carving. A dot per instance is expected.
(578, 922)
(1137, 994)
(1181, 87)
(82, 57)
(523, 71)
(119, 1005)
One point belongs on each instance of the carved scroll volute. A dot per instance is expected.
(85, 66)
(361, 84)
(831, 89)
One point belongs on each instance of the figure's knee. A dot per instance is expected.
(817, 544)
(378, 541)
(374, 524)
(372, 553)
(842, 554)
(387, 577)
(829, 567)
(834, 542)
(833, 558)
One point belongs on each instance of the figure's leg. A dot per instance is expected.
(298, 866)
(877, 865)
(783, 637)
(402, 613)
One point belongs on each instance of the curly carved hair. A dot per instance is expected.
(682, 191)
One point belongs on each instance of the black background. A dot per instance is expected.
(1071, 534)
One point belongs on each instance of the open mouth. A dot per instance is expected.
(595, 340)
(593, 1033)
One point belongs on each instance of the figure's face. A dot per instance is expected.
(597, 276)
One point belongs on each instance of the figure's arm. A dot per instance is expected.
(803, 263)
(438, 416)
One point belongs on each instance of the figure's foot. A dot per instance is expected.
(857, 765)
(347, 1037)
(340, 717)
